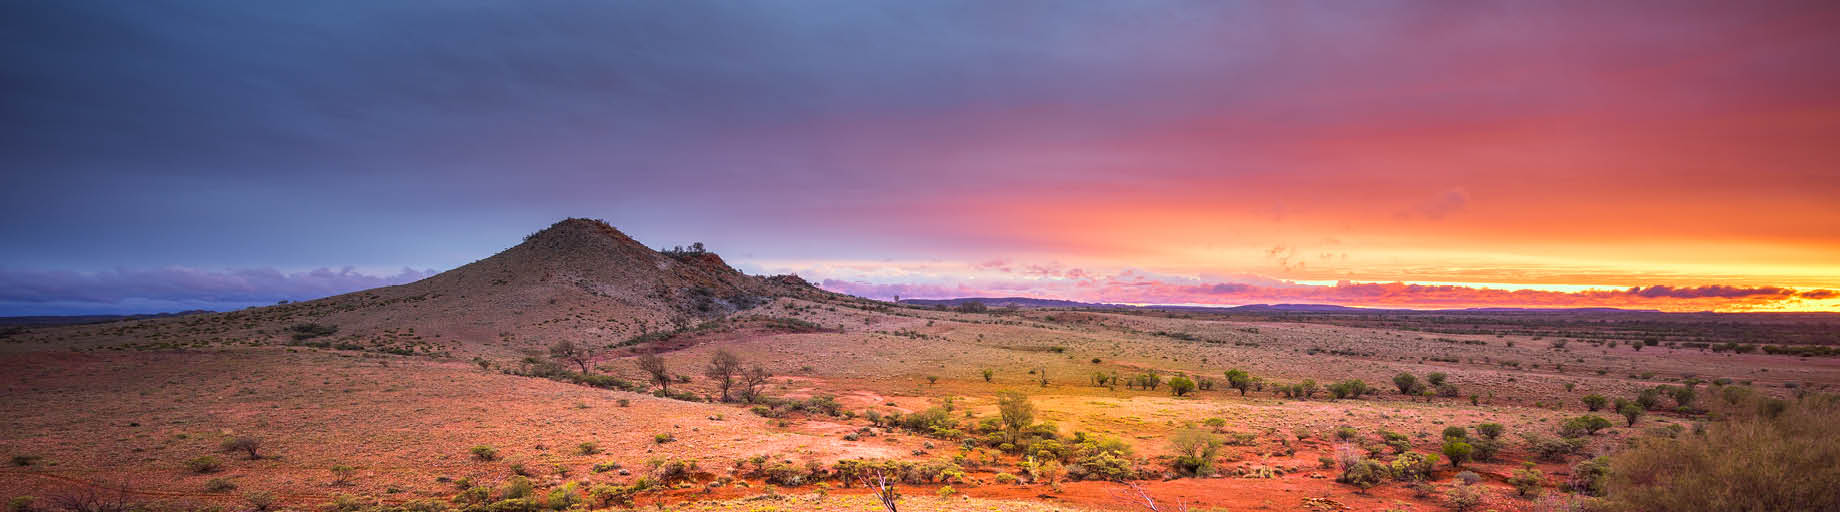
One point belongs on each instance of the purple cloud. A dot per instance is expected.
(30, 290)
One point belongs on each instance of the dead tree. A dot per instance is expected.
(879, 482)
(751, 383)
(723, 368)
(569, 351)
(652, 364)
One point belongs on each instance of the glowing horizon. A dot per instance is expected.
(1498, 154)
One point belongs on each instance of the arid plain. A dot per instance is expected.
(527, 381)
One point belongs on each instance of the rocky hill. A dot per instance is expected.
(579, 280)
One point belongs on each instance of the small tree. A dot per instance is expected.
(1435, 378)
(988, 373)
(1456, 432)
(1181, 386)
(1015, 410)
(1490, 430)
(1307, 388)
(245, 444)
(723, 368)
(1407, 383)
(341, 474)
(653, 365)
(1458, 451)
(1240, 380)
(1527, 480)
(1631, 412)
(1595, 401)
(1195, 450)
(572, 352)
(1683, 396)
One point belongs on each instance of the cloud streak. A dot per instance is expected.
(131, 290)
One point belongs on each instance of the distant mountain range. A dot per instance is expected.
(1008, 302)
(49, 320)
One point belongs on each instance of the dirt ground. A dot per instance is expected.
(99, 406)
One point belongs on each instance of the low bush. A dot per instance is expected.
(1414, 466)
(1550, 448)
(1526, 481)
(484, 453)
(247, 445)
(1591, 476)
(204, 464)
(219, 485)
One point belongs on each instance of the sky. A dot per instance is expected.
(1677, 155)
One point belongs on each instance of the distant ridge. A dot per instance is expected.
(49, 320)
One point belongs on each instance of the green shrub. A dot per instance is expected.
(1407, 383)
(204, 464)
(1457, 451)
(1591, 476)
(1397, 441)
(1364, 474)
(1490, 430)
(1455, 432)
(516, 487)
(1239, 379)
(1631, 413)
(1352, 388)
(1414, 466)
(1346, 433)
(1195, 450)
(307, 331)
(219, 485)
(1180, 386)
(1595, 402)
(1485, 449)
(247, 445)
(1464, 498)
(1550, 448)
(1583, 425)
(1526, 481)
(485, 453)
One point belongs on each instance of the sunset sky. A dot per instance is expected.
(1684, 156)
